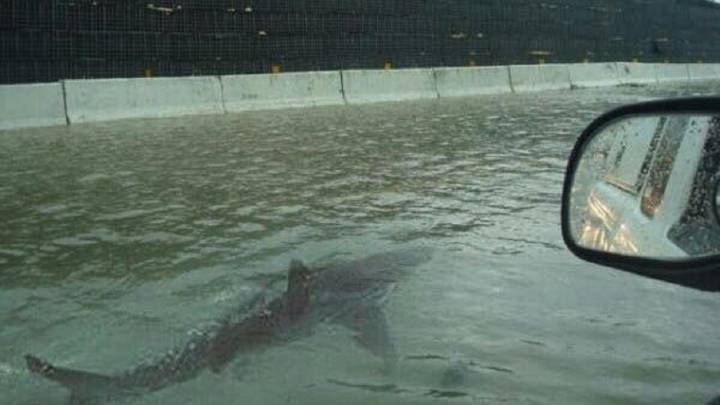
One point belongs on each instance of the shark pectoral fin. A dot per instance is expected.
(240, 369)
(217, 368)
(372, 334)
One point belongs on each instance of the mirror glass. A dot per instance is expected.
(647, 186)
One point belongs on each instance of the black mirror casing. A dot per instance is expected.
(702, 273)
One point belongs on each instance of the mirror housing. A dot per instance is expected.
(641, 191)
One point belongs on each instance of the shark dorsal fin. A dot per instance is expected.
(298, 288)
(298, 275)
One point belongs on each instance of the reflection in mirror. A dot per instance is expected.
(646, 186)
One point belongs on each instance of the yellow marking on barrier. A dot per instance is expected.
(149, 72)
(541, 56)
(275, 68)
(387, 65)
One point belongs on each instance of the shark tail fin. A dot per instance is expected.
(37, 365)
(84, 386)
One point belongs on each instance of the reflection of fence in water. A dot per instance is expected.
(47, 40)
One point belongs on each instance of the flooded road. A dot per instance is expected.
(120, 239)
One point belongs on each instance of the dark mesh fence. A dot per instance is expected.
(48, 40)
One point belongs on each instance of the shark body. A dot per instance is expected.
(350, 294)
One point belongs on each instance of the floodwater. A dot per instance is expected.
(120, 238)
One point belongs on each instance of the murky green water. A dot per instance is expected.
(119, 238)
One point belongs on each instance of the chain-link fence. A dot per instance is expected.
(49, 40)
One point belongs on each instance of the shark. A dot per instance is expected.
(351, 294)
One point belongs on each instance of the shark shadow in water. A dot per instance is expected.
(350, 294)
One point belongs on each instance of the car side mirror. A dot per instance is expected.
(642, 192)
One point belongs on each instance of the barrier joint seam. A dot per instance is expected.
(222, 94)
(510, 81)
(342, 86)
(65, 103)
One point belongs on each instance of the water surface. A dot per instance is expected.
(119, 239)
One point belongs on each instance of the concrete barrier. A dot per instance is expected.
(593, 75)
(525, 78)
(369, 86)
(703, 71)
(109, 99)
(671, 72)
(271, 91)
(75, 101)
(31, 105)
(470, 81)
(636, 73)
(554, 76)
